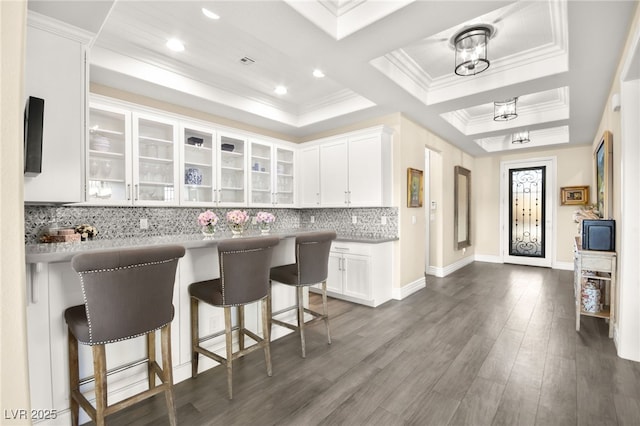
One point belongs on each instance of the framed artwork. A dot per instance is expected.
(603, 156)
(415, 186)
(574, 195)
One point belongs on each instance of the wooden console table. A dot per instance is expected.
(599, 268)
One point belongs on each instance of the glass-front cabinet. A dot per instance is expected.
(108, 168)
(271, 175)
(155, 168)
(232, 171)
(131, 158)
(197, 169)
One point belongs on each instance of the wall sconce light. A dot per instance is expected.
(471, 50)
(505, 110)
(520, 137)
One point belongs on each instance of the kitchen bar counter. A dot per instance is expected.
(63, 252)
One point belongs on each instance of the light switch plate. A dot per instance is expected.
(144, 223)
(354, 219)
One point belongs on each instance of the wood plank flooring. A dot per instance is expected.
(488, 345)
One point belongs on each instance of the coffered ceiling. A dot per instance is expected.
(557, 57)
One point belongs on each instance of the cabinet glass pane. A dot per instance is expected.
(198, 166)
(260, 174)
(106, 168)
(232, 170)
(156, 164)
(284, 176)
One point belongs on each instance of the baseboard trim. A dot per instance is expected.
(567, 266)
(443, 272)
(488, 258)
(408, 289)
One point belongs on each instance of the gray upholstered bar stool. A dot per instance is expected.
(244, 278)
(311, 267)
(128, 293)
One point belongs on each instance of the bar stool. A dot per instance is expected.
(244, 278)
(311, 267)
(128, 293)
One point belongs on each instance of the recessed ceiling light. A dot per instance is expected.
(175, 45)
(280, 90)
(317, 73)
(209, 14)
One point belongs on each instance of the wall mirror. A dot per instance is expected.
(462, 208)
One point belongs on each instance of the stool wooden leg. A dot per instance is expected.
(325, 310)
(299, 296)
(151, 355)
(100, 374)
(269, 310)
(167, 372)
(194, 337)
(266, 334)
(241, 327)
(74, 377)
(229, 343)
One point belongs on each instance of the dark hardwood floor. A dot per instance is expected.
(488, 345)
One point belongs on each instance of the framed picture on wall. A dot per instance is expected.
(574, 195)
(603, 159)
(415, 186)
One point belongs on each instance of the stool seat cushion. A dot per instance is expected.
(287, 274)
(209, 291)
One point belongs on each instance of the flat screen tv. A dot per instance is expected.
(599, 234)
(33, 124)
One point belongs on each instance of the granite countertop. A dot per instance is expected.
(63, 252)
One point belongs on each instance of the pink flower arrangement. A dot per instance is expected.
(265, 217)
(237, 217)
(207, 218)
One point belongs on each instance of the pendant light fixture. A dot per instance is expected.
(471, 50)
(520, 137)
(505, 110)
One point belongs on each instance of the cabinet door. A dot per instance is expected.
(232, 173)
(197, 171)
(55, 72)
(284, 182)
(155, 166)
(365, 171)
(309, 166)
(334, 278)
(109, 178)
(261, 182)
(357, 279)
(333, 174)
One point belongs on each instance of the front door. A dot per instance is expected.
(527, 212)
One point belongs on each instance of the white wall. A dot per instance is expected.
(14, 394)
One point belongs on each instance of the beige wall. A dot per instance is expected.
(574, 168)
(14, 394)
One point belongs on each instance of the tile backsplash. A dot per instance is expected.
(124, 222)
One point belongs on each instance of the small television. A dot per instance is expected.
(33, 125)
(599, 234)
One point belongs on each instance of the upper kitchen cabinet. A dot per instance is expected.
(55, 71)
(272, 175)
(197, 168)
(309, 176)
(231, 170)
(354, 169)
(132, 158)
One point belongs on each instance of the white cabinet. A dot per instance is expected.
(354, 170)
(309, 176)
(131, 158)
(232, 169)
(55, 72)
(197, 165)
(272, 175)
(360, 272)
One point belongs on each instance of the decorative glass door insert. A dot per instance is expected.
(527, 211)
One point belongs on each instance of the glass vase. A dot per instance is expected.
(208, 231)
